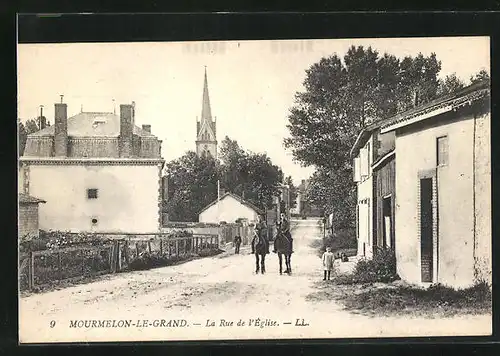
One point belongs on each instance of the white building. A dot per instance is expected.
(363, 159)
(229, 208)
(98, 172)
(443, 190)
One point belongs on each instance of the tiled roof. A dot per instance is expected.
(241, 200)
(85, 124)
(25, 198)
(466, 95)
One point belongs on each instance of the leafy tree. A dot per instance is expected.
(293, 192)
(192, 186)
(193, 180)
(340, 98)
(450, 84)
(31, 125)
(479, 76)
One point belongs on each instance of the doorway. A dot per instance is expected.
(426, 223)
(388, 239)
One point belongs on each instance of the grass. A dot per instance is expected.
(400, 299)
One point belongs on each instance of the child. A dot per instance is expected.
(328, 260)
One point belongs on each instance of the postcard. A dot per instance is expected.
(240, 190)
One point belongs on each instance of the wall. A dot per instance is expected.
(28, 219)
(385, 185)
(228, 210)
(416, 152)
(483, 248)
(365, 210)
(127, 197)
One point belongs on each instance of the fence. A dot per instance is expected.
(226, 232)
(39, 268)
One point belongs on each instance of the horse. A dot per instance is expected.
(284, 248)
(260, 249)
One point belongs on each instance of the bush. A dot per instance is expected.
(340, 241)
(382, 268)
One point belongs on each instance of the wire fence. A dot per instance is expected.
(40, 268)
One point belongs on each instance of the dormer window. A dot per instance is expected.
(99, 120)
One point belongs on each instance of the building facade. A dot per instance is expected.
(229, 208)
(443, 190)
(206, 127)
(98, 172)
(374, 166)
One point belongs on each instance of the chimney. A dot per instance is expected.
(61, 130)
(126, 130)
(42, 121)
(146, 128)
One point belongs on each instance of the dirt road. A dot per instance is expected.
(205, 296)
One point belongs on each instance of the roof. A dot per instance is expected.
(239, 199)
(408, 114)
(27, 199)
(440, 105)
(365, 134)
(87, 124)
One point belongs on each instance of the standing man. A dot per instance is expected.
(237, 244)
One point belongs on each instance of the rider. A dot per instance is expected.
(261, 231)
(284, 230)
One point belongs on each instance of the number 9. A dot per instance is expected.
(52, 323)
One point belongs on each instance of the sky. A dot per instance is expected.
(251, 83)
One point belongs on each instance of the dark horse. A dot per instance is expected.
(284, 248)
(260, 249)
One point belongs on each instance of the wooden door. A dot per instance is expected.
(426, 222)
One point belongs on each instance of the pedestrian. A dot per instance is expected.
(328, 260)
(237, 244)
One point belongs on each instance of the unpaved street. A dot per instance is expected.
(210, 289)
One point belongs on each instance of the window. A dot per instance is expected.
(91, 193)
(442, 150)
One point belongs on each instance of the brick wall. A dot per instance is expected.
(28, 219)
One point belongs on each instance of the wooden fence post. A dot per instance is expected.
(60, 264)
(149, 247)
(161, 247)
(119, 257)
(177, 248)
(31, 271)
(127, 251)
(137, 249)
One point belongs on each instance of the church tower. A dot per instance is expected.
(206, 139)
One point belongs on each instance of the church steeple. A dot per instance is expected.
(206, 113)
(206, 139)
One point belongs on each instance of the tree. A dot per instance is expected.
(192, 186)
(193, 180)
(342, 97)
(32, 125)
(293, 192)
(479, 76)
(450, 84)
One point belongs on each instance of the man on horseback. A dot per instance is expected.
(283, 232)
(260, 233)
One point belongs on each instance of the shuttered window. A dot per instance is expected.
(442, 150)
(357, 173)
(363, 155)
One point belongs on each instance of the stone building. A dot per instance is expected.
(28, 215)
(98, 172)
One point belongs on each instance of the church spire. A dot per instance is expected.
(206, 113)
